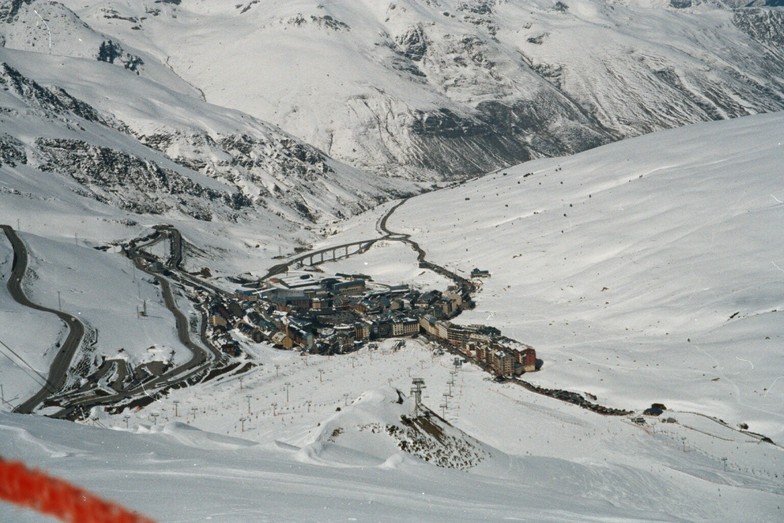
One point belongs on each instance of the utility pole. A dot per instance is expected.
(345, 399)
(194, 410)
(274, 405)
(321, 375)
(241, 378)
(154, 417)
(176, 412)
(287, 385)
(277, 370)
(417, 385)
(248, 397)
(242, 421)
(126, 418)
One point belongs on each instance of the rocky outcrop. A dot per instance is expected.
(110, 52)
(49, 100)
(9, 9)
(763, 25)
(11, 151)
(132, 183)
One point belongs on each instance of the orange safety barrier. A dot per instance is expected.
(58, 498)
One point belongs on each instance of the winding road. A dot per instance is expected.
(386, 234)
(62, 360)
(199, 361)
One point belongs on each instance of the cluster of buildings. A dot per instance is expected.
(484, 344)
(340, 314)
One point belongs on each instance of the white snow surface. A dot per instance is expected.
(239, 451)
(647, 270)
(665, 238)
(336, 74)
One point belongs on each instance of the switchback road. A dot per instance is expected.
(62, 360)
(199, 361)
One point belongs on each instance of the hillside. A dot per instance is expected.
(647, 270)
(132, 134)
(448, 87)
(162, 160)
(669, 292)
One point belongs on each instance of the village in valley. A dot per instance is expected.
(345, 312)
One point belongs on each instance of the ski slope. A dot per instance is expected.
(647, 270)
(665, 238)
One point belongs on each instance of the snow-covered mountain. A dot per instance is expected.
(650, 267)
(132, 134)
(648, 270)
(459, 86)
(644, 271)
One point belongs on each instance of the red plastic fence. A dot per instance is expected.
(58, 498)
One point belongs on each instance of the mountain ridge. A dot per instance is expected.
(420, 89)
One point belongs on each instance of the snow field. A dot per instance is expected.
(641, 271)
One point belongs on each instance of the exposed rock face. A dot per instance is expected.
(258, 168)
(9, 9)
(764, 25)
(425, 437)
(48, 100)
(110, 51)
(11, 151)
(429, 89)
(413, 43)
(129, 182)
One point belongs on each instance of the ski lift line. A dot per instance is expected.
(44, 382)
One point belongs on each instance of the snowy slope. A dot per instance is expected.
(148, 108)
(448, 86)
(679, 250)
(645, 271)
(648, 270)
(215, 455)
